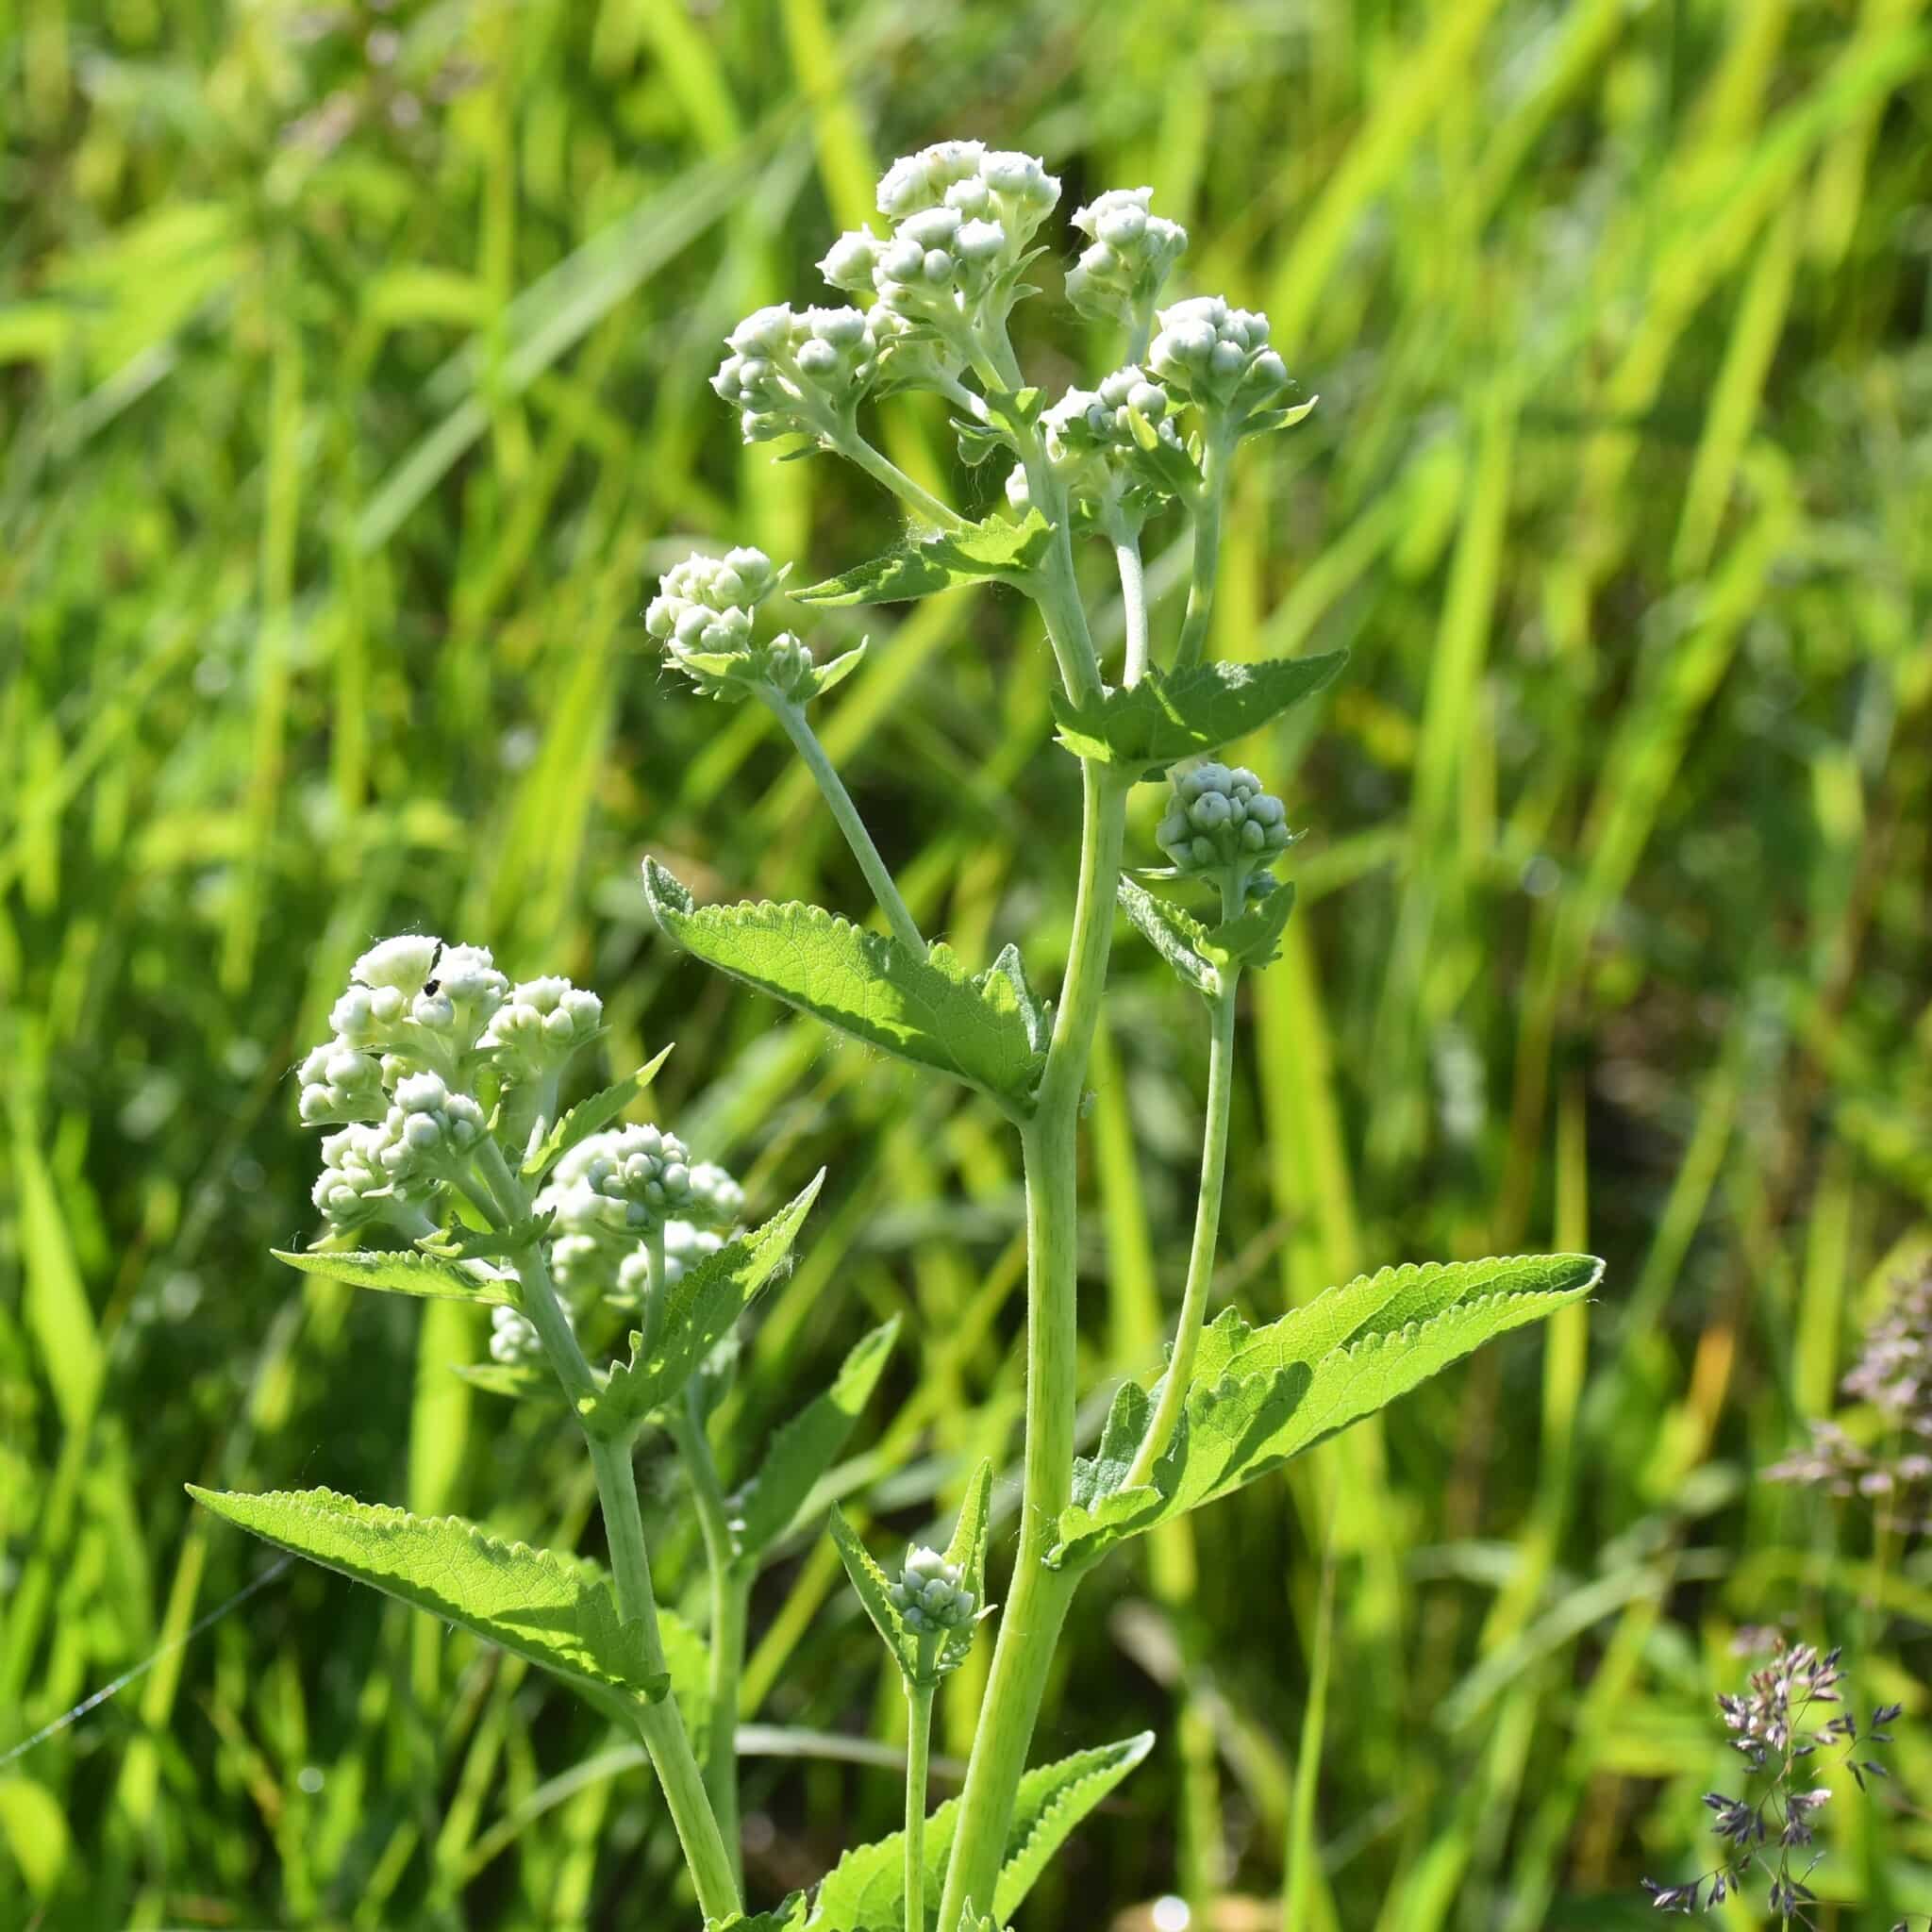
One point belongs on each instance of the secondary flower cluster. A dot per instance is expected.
(1222, 827)
(1105, 446)
(702, 614)
(930, 1593)
(438, 1070)
(1119, 277)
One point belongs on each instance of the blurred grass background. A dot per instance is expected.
(352, 370)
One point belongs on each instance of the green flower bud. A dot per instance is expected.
(1090, 438)
(1119, 275)
(1221, 825)
(1217, 356)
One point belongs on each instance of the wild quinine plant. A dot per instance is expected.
(618, 1266)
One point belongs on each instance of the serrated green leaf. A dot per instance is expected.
(553, 1610)
(926, 1011)
(1167, 717)
(1261, 1396)
(838, 669)
(806, 1447)
(464, 1244)
(1181, 940)
(590, 1117)
(1264, 420)
(1255, 936)
(788, 1917)
(699, 1310)
(866, 1890)
(875, 1589)
(1036, 1012)
(404, 1271)
(937, 560)
(968, 1550)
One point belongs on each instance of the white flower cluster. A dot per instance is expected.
(931, 1595)
(421, 1028)
(1220, 821)
(1218, 358)
(1091, 440)
(703, 615)
(1119, 275)
(797, 371)
(962, 216)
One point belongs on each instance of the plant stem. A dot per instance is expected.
(877, 875)
(660, 1724)
(1125, 539)
(728, 1618)
(1180, 1364)
(882, 469)
(1207, 506)
(1038, 1600)
(918, 1746)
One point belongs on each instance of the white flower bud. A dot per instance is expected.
(850, 262)
(1120, 276)
(918, 181)
(340, 1083)
(540, 1025)
(355, 1186)
(432, 1132)
(463, 992)
(403, 962)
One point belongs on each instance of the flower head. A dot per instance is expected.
(540, 1026)
(1221, 825)
(797, 373)
(1130, 252)
(339, 1082)
(1094, 439)
(930, 1593)
(1217, 356)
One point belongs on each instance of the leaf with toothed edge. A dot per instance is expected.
(699, 1311)
(928, 1011)
(553, 1610)
(1179, 938)
(590, 1117)
(1253, 937)
(801, 1450)
(789, 1916)
(404, 1271)
(1259, 1397)
(866, 1890)
(1172, 715)
(937, 560)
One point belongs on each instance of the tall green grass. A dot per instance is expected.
(333, 481)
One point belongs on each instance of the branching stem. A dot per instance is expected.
(882, 469)
(878, 875)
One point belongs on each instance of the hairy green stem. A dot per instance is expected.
(659, 1724)
(1180, 1364)
(728, 1612)
(882, 469)
(918, 1748)
(878, 875)
(1207, 505)
(1037, 1603)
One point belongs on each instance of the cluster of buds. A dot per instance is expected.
(962, 216)
(703, 615)
(1096, 442)
(355, 1187)
(537, 1029)
(1217, 358)
(617, 1186)
(419, 1001)
(1220, 824)
(513, 1340)
(339, 1082)
(432, 1132)
(1129, 254)
(798, 372)
(931, 1595)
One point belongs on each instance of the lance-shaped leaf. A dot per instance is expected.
(923, 1659)
(801, 1452)
(699, 1309)
(591, 1116)
(937, 560)
(553, 1610)
(928, 1011)
(1179, 938)
(866, 1890)
(1253, 937)
(1169, 716)
(405, 1271)
(1262, 1395)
